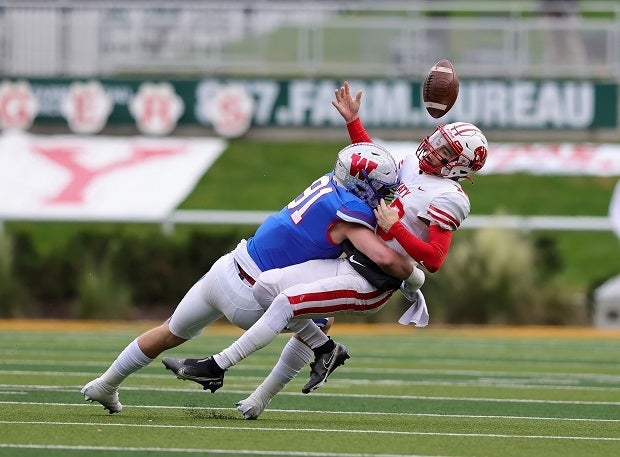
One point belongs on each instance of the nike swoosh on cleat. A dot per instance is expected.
(327, 363)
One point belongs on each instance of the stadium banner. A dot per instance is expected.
(231, 106)
(566, 159)
(103, 178)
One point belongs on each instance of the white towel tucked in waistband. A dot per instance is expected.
(418, 312)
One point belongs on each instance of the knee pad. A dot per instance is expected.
(267, 287)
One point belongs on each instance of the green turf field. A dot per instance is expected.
(405, 391)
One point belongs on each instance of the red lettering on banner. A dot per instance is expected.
(231, 109)
(82, 177)
(510, 155)
(577, 156)
(84, 106)
(156, 108)
(13, 108)
(583, 153)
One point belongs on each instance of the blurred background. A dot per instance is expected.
(142, 139)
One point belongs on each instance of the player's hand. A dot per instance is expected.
(386, 215)
(346, 105)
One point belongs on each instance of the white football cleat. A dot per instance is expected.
(101, 392)
(251, 407)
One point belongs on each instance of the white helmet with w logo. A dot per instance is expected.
(367, 170)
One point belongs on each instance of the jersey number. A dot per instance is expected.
(303, 202)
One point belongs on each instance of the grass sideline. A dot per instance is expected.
(459, 392)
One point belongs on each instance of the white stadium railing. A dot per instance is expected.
(397, 38)
(226, 217)
(526, 223)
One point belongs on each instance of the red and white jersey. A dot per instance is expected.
(427, 199)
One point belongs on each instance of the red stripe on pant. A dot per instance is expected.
(334, 296)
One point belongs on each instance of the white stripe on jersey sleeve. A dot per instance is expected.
(449, 210)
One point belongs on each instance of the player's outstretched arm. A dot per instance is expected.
(346, 105)
(348, 108)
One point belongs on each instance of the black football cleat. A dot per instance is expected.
(324, 365)
(205, 372)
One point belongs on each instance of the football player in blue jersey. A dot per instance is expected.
(336, 207)
(360, 178)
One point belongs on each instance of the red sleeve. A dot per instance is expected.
(431, 254)
(357, 132)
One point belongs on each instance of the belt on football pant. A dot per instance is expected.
(243, 275)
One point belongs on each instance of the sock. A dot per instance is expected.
(256, 337)
(263, 332)
(130, 360)
(213, 366)
(325, 348)
(293, 358)
(309, 332)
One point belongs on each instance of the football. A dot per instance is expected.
(440, 89)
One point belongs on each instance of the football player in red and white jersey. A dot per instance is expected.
(429, 203)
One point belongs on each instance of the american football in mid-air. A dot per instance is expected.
(440, 89)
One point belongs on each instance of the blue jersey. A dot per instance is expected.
(300, 231)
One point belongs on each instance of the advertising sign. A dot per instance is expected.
(230, 106)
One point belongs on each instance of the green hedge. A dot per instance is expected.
(154, 270)
(492, 276)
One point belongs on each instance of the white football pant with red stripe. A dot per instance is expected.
(299, 292)
(320, 288)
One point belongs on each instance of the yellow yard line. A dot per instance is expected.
(50, 325)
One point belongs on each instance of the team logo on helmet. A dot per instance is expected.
(368, 171)
(359, 163)
(480, 157)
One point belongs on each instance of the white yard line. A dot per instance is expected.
(339, 394)
(557, 377)
(315, 430)
(201, 451)
(309, 411)
(487, 381)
